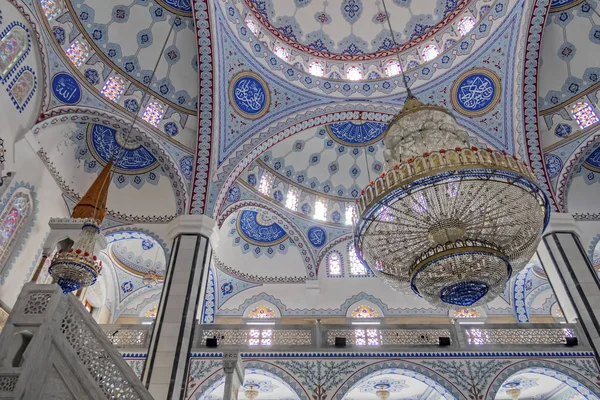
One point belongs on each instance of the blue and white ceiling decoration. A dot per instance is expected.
(476, 92)
(228, 286)
(591, 168)
(593, 161)
(134, 164)
(561, 5)
(259, 233)
(249, 95)
(181, 7)
(317, 236)
(350, 133)
(66, 89)
(553, 165)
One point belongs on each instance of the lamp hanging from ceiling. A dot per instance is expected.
(448, 220)
(79, 267)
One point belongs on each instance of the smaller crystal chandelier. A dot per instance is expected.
(78, 266)
(251, 393)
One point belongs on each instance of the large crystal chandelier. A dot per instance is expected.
(79, 267)
(448, 220)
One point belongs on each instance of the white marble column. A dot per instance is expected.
(194, 237)
(234, 375)
(572, 276)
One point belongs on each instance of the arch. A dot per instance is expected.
(117, 234)
(440, 384)
(168, 164)
(262, 309)
(15, 44)
(280, 375)
(355, 267)
(334, 264)
(17, 214)
(364, 309)
(545, 367)
(288, 225)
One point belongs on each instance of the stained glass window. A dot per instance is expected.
(52, 8)
(356, 267)
(253, 26)
(282, 53)
(78, 52)
(465, 25)
(367, 337)
(364, 311)
(334, 264)
(261, 311)
(320, 210)
(12, 222)
(316, 68)
(584, 114)
(354, 73)
(266, 182)
(349, 214)
(153, 113)
(258, 337)
(12, 47)
(392, 68)
(466, 313)
(113, 88)
(291, 201)
(430, 52)
(151, 313)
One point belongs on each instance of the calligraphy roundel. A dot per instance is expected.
(476, 92)
(66, 89)
(317, 236)
(249, 95)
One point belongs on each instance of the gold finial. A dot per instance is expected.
(93, 203)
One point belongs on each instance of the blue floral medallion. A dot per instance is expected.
(66, 89)
(553, 165)
(352, 134)
(249, 95)
(130, 157)
(476, 92)
(317, 236)
(256, 229)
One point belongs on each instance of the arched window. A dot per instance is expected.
(392, 68)
(282, 53)
(334, 265)
(13, 46)
(13, 221)
(356, 267)
(78, 52)
(153, 113)
(467, 313)
(320, 210)
(349, 214)
(253, 26)
(316, 68)
(52, 8)
(584, 114)
(266, 182)
(429, 52)
(364, 311)
(113, 88)
(291, 200)
(354, 73)
(261, 312)
(465, 25)
(151, 312)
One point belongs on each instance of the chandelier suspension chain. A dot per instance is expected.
(389, 23)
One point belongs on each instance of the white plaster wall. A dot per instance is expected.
(29, 168)
(583, 197)
(15, 124)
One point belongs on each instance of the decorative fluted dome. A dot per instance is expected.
(448, 220)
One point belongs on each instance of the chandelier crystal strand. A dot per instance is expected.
(448, 221)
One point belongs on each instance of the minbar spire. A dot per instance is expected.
(93, 203)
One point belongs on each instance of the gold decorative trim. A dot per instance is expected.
(495, 100)
(262, 82)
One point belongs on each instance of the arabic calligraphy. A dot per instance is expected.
(66, 89)
(249, 95)
(593, 160)
(360, 134)
(476, 92)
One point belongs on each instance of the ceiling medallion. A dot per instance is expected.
(476, 92)
(450, 221)
(249, 95)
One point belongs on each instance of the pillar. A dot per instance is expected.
(234, 375)
(572, 276)
(166, 366)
